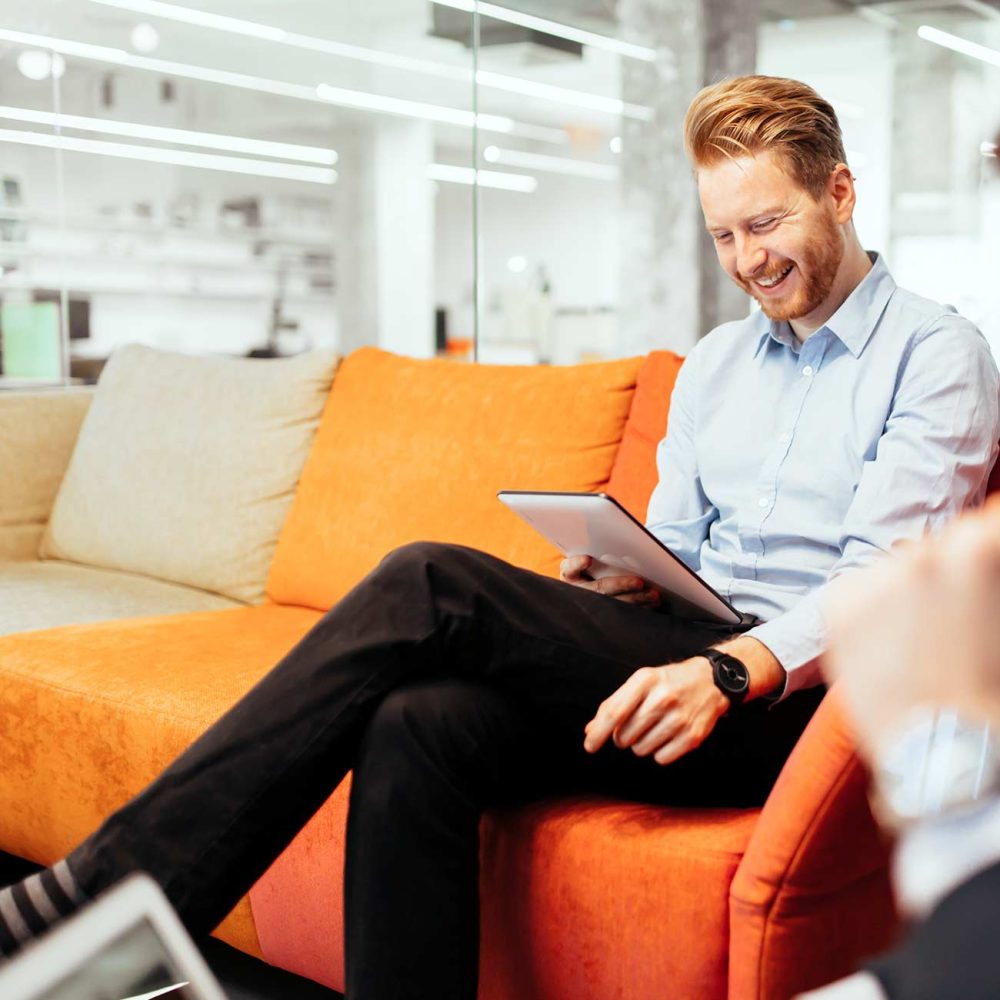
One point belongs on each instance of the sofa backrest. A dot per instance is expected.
(412, 450)
(38, 431)
(634, 474)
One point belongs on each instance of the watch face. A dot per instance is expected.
(732, 675)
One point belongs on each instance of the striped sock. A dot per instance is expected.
(29, 908)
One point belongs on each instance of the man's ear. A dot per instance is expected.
(840, 187)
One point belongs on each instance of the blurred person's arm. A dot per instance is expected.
(918, 633)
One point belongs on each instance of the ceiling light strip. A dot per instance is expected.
(957, 44)
(551, 164)
(485, 178)
(357, 99)
(552, 28)
(497, 81)
(183, 137)
(531, 88)
(180, 158)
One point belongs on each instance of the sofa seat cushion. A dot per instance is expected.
(581, 897)
(411, 450)
(92, 713)
(41, 595)
(185, 466)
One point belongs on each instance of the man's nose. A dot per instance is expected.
(750, 257)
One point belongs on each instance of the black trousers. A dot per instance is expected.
(451, 682)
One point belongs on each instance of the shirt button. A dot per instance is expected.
(785, 437)
(763, 501)
(807, 371)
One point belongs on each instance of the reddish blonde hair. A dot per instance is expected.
(746, 115)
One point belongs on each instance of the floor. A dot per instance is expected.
(241, 976)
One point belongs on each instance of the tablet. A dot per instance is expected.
(595, 524)
(127, 945)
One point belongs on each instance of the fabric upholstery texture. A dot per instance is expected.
(48, 593)
(634, 475)
(812, 895)
(92, 713)
(412, 450)
(656, 901)
(37, 433)
(185, 466)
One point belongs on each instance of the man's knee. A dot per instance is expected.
(420, 557)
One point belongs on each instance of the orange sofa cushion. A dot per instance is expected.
(92, 713)
(650, 919)
(413, 450)
(634, 474)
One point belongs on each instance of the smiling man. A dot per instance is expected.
(844, 416)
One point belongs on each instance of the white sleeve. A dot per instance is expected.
(679, 513)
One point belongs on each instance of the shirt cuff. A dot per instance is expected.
(796, 638)
(937, 856)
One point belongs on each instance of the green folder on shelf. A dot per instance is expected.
(30, 340)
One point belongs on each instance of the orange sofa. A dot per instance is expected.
(582, 898)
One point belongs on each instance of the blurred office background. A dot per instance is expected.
(501, 182)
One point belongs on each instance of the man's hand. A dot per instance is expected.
(663, 712)
(920, 628)
(631, 589)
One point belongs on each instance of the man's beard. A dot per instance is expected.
(820, 263)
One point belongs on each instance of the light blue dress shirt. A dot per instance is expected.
(787, 464)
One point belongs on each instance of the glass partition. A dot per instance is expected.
(442, 176)
(230, 178)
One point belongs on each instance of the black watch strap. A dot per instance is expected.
(730, 675)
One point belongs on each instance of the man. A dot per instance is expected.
(802, 441)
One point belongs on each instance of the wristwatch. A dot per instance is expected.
(730, 675)
(939, 764)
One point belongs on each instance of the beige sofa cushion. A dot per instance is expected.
(185, 466)
(46, 594)
(37, 434)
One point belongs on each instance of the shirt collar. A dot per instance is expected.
(854, 322)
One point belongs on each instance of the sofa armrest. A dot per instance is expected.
(811, 897)
(37, 433)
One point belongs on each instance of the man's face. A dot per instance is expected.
(772, 238)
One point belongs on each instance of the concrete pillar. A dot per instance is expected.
(672, 289)
(384, 243)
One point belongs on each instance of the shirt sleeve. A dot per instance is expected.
(932, 460)
(937, 856)
(679, 513)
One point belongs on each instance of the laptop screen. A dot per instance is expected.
(133, 966)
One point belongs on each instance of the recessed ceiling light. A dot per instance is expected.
(183, 137)
(552, 164)
(516, 265)
(181, 158)
(145, 38)
(958, 44)
(37, 64)
(484, 178)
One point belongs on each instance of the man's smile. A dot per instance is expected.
(771, 282)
